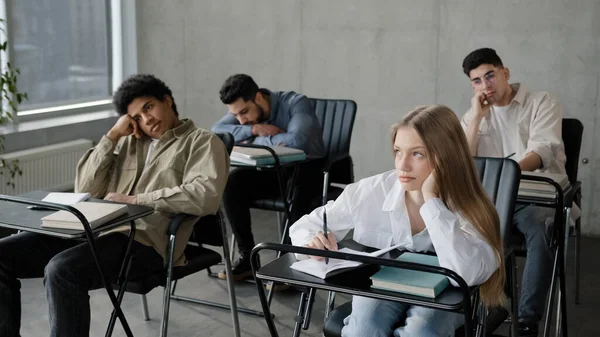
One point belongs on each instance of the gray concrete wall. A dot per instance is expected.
(386, 55)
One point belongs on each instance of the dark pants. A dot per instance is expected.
(247, 184)
(69, 273)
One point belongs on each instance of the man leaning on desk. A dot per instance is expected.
(149, 157)
(264, 117)
(507, 120)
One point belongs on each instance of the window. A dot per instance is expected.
(65, 53)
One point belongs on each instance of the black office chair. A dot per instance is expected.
(572, 135)
(209, 230)
(336, 118)
(500, 178)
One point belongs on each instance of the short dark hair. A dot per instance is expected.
(236, 86)
(141, 85)
(479, 57)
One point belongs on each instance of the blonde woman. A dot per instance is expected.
(432, 201)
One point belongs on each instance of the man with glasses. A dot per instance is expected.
(506, 120)
(264, 117)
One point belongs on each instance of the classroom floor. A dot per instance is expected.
(195, 320)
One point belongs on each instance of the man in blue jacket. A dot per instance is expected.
(264, 117)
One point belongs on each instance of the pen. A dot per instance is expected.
(510, 155)
(325, 229)
(325, 186)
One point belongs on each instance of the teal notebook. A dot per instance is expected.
(411, 281)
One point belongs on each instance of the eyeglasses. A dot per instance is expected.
(489, 77)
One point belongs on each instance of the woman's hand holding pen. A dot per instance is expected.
(322, 242)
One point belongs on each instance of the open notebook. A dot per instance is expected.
(335, 266)
(66, 198)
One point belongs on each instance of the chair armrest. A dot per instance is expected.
(176, 222)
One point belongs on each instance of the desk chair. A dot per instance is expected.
(336, 118)
(500, 178)
(572, 134)
(209, 230)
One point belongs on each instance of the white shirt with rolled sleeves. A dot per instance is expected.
(538, 129)
(374, 207)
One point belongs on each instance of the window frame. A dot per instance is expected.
(122, 61)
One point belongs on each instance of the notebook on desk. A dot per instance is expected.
(255, 156)
(335, 266)
(411, 281)
(66, 198)
(96, 213)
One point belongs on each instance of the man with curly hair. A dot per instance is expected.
(149, 157)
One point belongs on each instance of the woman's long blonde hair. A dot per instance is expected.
(459, 186)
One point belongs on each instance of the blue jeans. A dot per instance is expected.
(377, 318)
(69, 273)
(535, 223)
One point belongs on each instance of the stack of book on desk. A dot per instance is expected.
(255, 156)
(411, 282)
(538, 189)
(96, 213)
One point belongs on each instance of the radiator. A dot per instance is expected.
(50, 168)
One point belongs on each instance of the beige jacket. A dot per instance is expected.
(186, 173)
(539, 120)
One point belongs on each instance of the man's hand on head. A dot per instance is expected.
(263, 130)
(122, 198)
(124, 126)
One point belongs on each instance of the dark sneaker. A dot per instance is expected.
(527, 329)
(241, 270)
(495, 318)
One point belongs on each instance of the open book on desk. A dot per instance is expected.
(539, 189)
(256, 156)
(335, 266)
(96, 213)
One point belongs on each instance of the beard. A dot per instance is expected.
(261, 113)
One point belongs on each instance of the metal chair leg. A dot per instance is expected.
(330, 305)
(144, 307)
(167, 292)
(230, 286)
(577, 257)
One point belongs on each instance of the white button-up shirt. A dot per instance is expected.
(375, 208)
(538, 118)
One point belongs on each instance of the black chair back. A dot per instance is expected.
(572, 134)
(500, 178)
(227, 139)
(336, 118)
